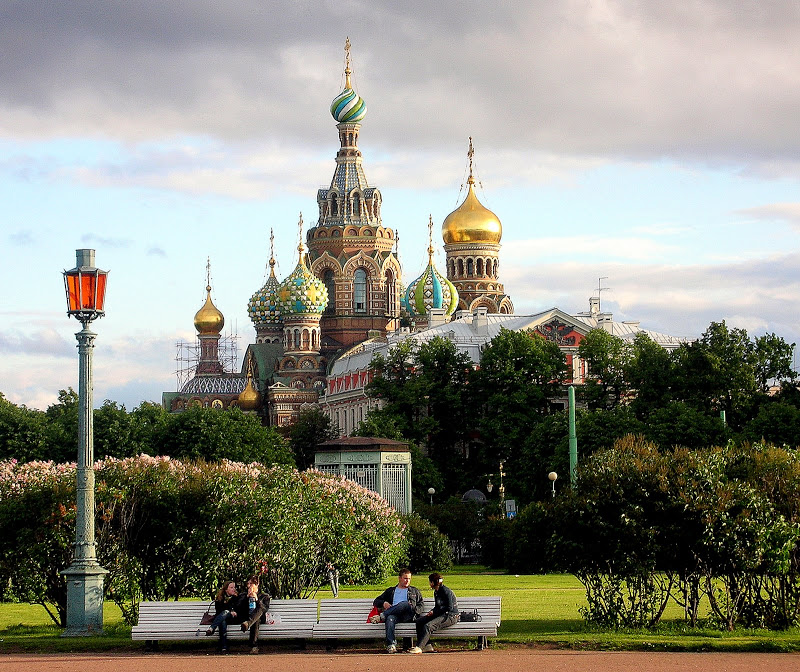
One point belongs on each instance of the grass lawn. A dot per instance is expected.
(537, 611)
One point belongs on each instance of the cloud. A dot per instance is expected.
(675, 299)
(787, 213)
(22, 238)
(708, 81)
(42, 342)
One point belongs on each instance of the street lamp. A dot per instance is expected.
(502, 489)
(553, 476)
(86, 290)
(431, 492)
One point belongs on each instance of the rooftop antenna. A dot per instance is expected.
(601, 289)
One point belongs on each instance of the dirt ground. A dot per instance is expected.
(457, 661)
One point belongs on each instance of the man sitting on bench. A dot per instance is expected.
(399, 604)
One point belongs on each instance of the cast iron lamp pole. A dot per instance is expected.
(85, 286)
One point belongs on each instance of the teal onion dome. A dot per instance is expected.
(263, 305)
(301, 293)
(431, 290)
(348, 107)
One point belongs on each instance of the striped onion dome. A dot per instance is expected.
(431, 289)
(348, 107)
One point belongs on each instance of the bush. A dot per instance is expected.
(494, 537)
(167, 529)
(427, 548)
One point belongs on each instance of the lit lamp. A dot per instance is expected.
(553, 476)
(86, 290)
(431, 492)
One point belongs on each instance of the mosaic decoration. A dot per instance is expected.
(557, 331)
(263, 305)
(302, 293)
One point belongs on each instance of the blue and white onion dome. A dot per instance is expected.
(302, 293)
(431, 290)
(348, 107)
(263, 305)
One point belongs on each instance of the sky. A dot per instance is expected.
(650, 144)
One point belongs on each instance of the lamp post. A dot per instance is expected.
(502, 489)
(553, 476)
(86, 288)
(431, 492)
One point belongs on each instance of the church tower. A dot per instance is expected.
(350, 250)
(471, 235)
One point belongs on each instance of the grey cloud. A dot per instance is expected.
(678, 300)
(775, 212)
(42, 342)
(709, 81)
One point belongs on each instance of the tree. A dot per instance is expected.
(607, 357)
(520, 373)
(649, 372)
(772, 360)
(23, 432)
(311, 428)
(214, 435)
(424, 389)
(716, 373)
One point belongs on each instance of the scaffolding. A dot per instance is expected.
(187, 357)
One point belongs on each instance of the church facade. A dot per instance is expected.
(317, 330)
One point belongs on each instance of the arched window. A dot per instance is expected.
(480, 266)
(460, 268)
(470, 267)
(360, 291)
(391, 295)
(330, 285)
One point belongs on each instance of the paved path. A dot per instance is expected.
(519, 660)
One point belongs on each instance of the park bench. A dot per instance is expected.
(347, 619)
(181, 620)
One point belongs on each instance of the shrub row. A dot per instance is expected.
(166, 529)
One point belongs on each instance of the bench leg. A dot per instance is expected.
(151, 645)
(483, 643)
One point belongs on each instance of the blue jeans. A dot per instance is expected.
(397, 613)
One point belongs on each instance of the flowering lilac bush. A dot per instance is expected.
(167, 528)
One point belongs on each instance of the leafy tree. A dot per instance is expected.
(520, 373)
(607, 358)
(678, 424)
(214, 435)
(772, 359)
(649, 372)
(716, 373)
(777, 423)
(23, 432)
(311, 428)
(424, 388)
(62, 427)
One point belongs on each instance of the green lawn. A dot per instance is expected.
(537, 610)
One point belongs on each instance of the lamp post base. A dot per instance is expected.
(84, 600)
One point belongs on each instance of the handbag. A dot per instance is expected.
(208, 617)
(372, 613)
(470, 616)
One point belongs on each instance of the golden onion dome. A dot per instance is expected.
(249, 398)
(471, 222)
(208, 319)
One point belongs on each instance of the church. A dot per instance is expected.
(317, 330)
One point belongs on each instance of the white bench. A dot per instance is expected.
(181, 620)
(347, 619)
